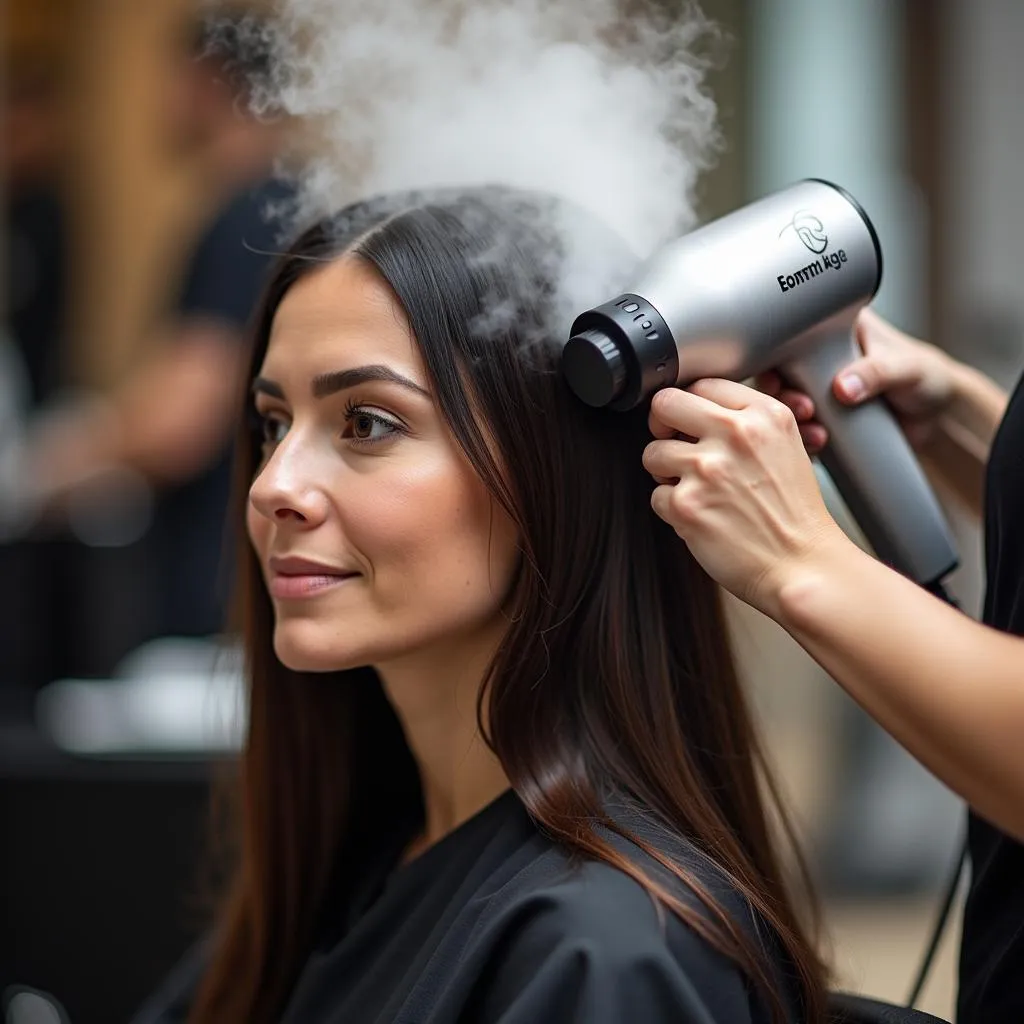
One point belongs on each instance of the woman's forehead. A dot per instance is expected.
(343, 311)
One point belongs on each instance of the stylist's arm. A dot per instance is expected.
(743, 495)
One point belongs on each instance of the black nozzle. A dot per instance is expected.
(619, 353)
(594, 368)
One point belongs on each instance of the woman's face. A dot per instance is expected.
(378, 542)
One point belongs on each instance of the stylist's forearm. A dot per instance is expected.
(950, 690)
(978, 405)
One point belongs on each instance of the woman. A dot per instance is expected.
(499, 767)
(745, 499)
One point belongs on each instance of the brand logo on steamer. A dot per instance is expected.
(811, 232)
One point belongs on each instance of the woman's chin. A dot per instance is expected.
(305, 654)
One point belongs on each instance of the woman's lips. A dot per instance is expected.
(287, 585)
(299, 577)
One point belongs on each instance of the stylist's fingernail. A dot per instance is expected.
(815, 438)
(853, 386)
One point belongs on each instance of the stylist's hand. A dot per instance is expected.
(916, 378)
(742, 492)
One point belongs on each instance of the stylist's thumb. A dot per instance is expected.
(869, 376)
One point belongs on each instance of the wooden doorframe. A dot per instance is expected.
(132, 208)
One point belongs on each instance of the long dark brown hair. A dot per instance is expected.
(616, 675)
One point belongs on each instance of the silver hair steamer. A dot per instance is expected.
(775, 284)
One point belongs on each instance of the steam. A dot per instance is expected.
(575, 98)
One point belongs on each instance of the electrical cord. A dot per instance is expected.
(940, 927)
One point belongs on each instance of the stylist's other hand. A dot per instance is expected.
(916, 378)
(740, 490)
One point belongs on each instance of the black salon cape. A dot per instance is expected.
(992, 951)
(492, 924)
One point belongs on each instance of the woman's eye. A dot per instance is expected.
(272, 430)
(366, 427)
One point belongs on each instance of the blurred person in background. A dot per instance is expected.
(168, 421)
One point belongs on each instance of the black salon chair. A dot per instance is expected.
(848, 1009)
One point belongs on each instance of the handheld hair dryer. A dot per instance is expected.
(776, 284)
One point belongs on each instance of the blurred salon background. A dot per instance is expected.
(128, 170)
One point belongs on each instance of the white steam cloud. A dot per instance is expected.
(601, 102)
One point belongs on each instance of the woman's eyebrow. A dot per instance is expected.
(261, 385)
(325, 384)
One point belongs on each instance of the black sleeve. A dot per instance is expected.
(227, 270)
(564, 966)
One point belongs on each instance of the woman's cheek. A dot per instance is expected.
(257, 528)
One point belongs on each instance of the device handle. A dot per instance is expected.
(873, 466)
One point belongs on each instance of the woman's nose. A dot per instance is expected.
(286, 489)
